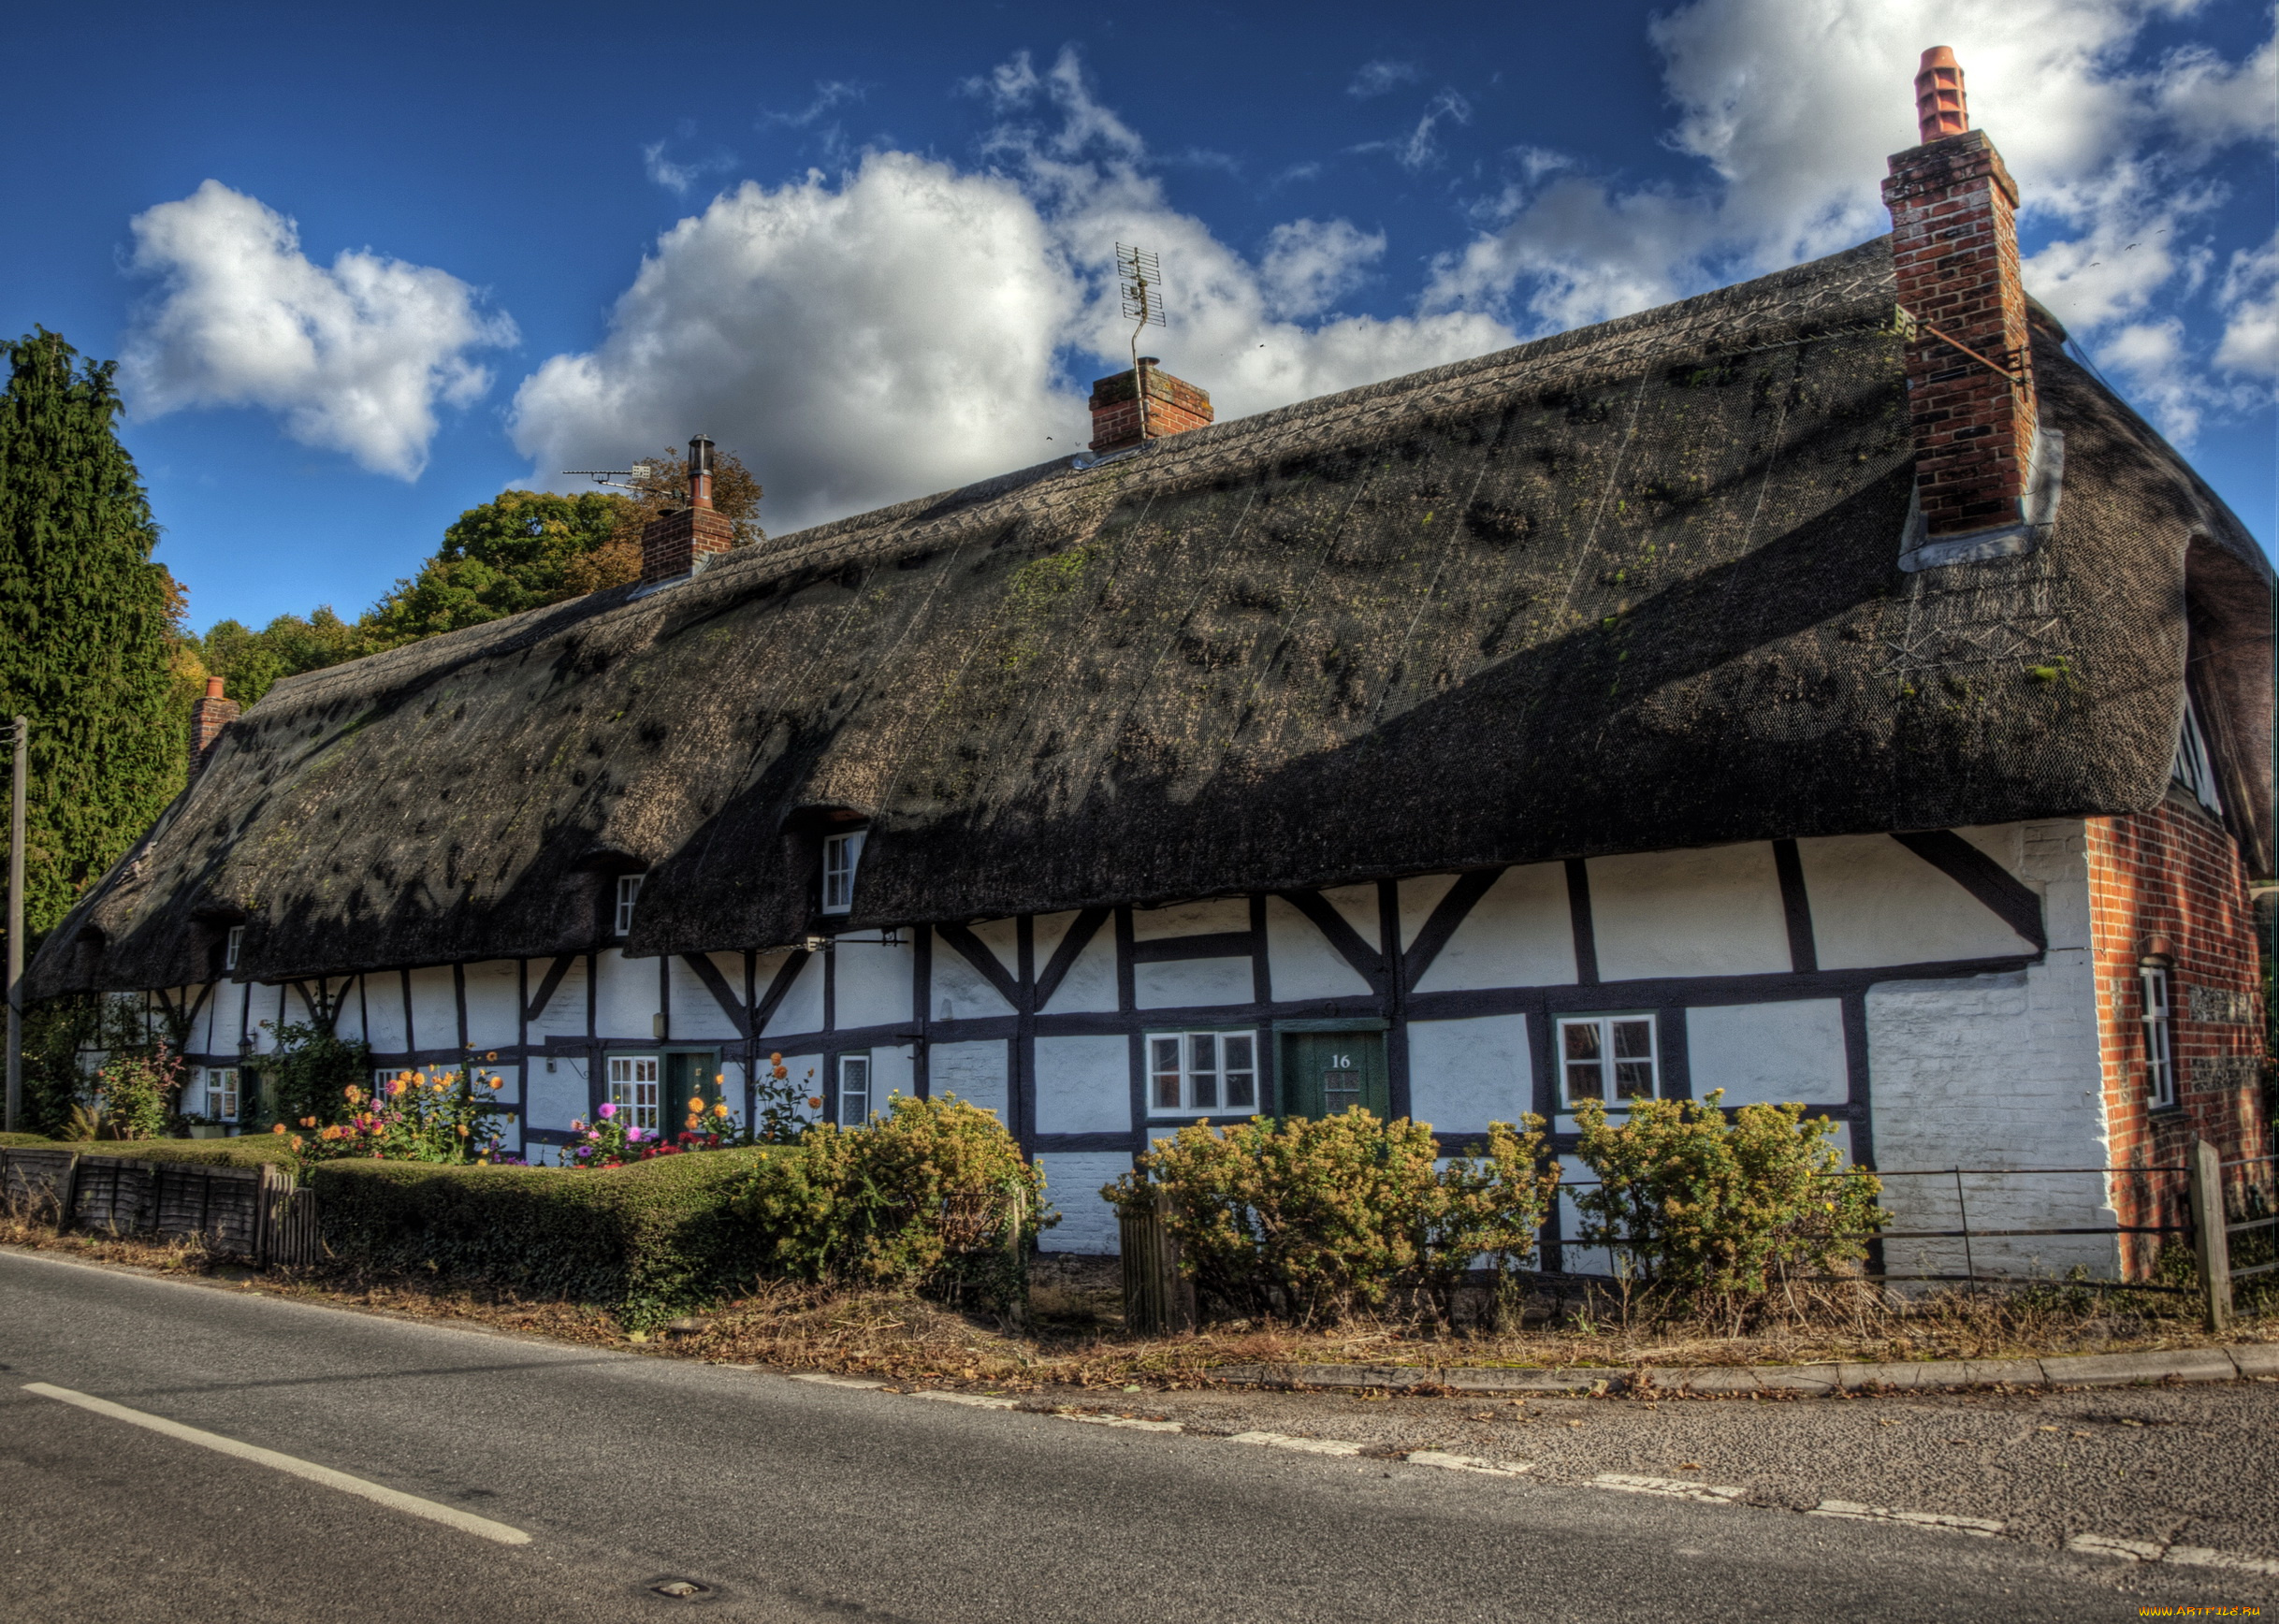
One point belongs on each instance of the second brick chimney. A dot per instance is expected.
(1123, 416)
(672, 544)
(207, 718)
(1970, 372)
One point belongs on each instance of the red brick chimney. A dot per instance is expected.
(207, 718)
(672, 544)
(1123, 418)
(1969, 374)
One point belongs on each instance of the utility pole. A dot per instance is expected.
(21, 733)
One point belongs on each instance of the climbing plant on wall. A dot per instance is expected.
(87, 631)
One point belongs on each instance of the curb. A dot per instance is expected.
(2240, 1362)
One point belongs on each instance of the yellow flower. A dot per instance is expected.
(721, 1109)
(462, 1130)
(492, 1055)
(496, 1085)
(277, 1128)
(696, 1102)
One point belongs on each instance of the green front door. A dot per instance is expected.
(689, 1076)
(1323, 1073)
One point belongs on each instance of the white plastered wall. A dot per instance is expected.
(1465, 1074)
(1713, 912)
(977, 1073)
(1083, 1084)
(1999, 1072)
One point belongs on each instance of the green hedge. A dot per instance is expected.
(249, 1151)
(648, 1241)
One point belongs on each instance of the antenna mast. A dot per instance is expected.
(1140, 280)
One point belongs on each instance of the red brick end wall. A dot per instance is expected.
(1955, 248)
(2174, 873)
(670, 545)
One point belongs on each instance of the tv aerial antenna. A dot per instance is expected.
(622, 477)
(1140, 280)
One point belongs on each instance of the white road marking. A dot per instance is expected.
(1978, 1528)
(466, 1522)
(1133, 1422)
(2125, 1550)
(832, 1381)
(2182, 1556)
(1468, 1463)
(978, 1400)
(1676, 1487)
(1307, 1445)
(2201, 1557)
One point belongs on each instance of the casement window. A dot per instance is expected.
(629, 893)
(1609, 1058)
(2159, 1039)
(854, 1090)
(1203, 1072)
(842, 854)
(2193, 767)
(232, 946)
(221, 1094)
(632, 1089)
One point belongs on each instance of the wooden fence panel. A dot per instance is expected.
(220, 1206)
(35, 1185)
(114, 1196)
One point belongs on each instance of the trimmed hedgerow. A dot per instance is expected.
(247, 1150)
(648, 1241)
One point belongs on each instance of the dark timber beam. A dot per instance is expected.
(2005, 896)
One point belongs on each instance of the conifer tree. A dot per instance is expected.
(86, 626)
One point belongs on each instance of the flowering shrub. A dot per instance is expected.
(777, 1117)
(415, 1116)
(1692, 1200)
(304, 1075)
(1311, 1220)
(609, 1140)
(134, 1092)
(933, 1196)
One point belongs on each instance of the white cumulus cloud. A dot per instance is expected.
(1792, 105)
(357, 356)
(913, 325)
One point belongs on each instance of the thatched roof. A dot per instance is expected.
(1629, 587)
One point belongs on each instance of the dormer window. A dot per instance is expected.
(629, 893)
(231, 947)
(2192, 768)
(842, 853)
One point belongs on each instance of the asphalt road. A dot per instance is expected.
(793, 1501)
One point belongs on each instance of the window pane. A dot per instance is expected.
(1163, 1066)
(1581, 1039)
(1586, 1082)
(1633, 1040)
(1203, 1052)
(1633, 1080)
(854, 1089)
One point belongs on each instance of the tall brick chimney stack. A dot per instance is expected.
(672, 544)
(207, 718)
(1121, 419)
(1970, 372)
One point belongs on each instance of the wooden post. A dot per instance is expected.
(21, 738)
(1155, 1299)
(2209, 1244)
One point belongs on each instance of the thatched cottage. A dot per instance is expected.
(1822, 689)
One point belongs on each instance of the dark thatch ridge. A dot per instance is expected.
(1627, 588)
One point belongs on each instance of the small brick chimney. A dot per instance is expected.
(672, 544)
(1124, 416)
(1970, 372)
(207, 718)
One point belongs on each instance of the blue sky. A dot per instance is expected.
(366, 270)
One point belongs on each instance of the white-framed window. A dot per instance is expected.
(632, 1089)
(854, 1090)
(629, 893)
(2193, 768)
(1201, 1072)
(232, 946)
(1609, 1058)
(221, 1094)
(842, 855)
(2159, 1039)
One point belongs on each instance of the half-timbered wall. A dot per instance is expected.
(1932, 994)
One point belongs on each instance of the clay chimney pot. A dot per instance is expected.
(1940, 107)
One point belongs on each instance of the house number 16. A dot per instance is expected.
(1340, 1063)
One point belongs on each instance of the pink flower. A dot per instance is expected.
(610, 1110)
(633, 1136)
(592, 1136)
